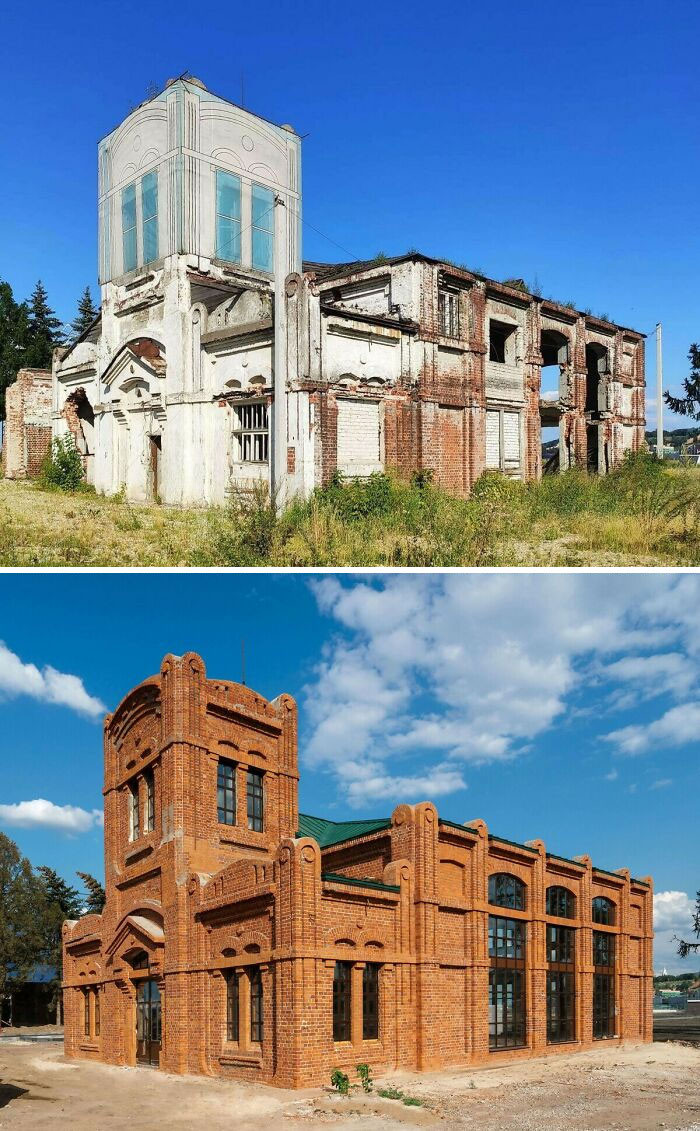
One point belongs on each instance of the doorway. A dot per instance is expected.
(155, 447)
(148, 1023)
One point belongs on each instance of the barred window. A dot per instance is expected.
(251, 429)
(341, 1001)
(603, 911)
(507, 891)
(150, 801)
(255, 800)
(448, 313)
(226, 792)
(561, 902)
(232, 1006)
(256, 1006)
(370, 1002)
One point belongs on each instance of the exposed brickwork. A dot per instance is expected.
(28, 424)
(207, 901)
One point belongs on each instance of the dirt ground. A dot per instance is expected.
(629, 1089)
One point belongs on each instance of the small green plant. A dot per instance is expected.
(63, 466)
(413, 1101)
(365, 1073)
(340, 1081)
(390, 1093)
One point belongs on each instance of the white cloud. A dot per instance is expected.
(613, 775)
(42, 814)
(661, 783)
(677, 726)
(673, 919)
(472, 668)
(48, 685)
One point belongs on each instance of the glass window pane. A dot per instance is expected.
(262, 250)
(228, 239)
(129, 227)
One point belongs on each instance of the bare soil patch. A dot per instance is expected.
(634, 1088)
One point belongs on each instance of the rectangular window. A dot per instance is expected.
(370, 1002)
(226, 792)
(149, 216)
(134, 811)
(232, 1006)
(97, 1013)
(506, 1008)
(150, 801)
(341, 1001)
(560, 944)
(255, 800)
(86, 1012)
(507, 1004)
(228, 217)
(503, 442)
(603, 949)
(448, 313)
(256, 1007)
(502, 342)
(603, 985)
(251, 428)
(263, 208)
(561, 1000)
(129, 228)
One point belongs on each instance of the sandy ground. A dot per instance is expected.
(635, 1088)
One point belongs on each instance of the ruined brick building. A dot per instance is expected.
(221, 359)
(27, 436)
(241, 938)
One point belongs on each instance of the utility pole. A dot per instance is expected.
(659, 396)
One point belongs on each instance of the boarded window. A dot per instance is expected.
(503, 442)
(359, 437)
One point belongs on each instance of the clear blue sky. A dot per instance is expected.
(560, 706)
(546, 141)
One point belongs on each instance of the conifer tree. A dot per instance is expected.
(87, 313)
(95, 894)
(14, 336)
(689, 405)
(60, 902)
(45, 330)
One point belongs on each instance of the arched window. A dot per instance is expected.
(561, 902)
(507, 891)
(603, 911)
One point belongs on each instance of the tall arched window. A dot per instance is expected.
(603, 911)
(506, 890)
(561, 902)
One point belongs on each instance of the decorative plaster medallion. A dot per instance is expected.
(247, 143)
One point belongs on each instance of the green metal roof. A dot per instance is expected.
(335, 832)
(334, 878)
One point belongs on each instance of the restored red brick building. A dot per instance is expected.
(242, 938)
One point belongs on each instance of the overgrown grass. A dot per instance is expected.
(645, 513)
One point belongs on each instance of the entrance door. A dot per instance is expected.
(148, 1023)
(154, 452)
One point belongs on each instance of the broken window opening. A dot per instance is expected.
(251, 429)
(502, 337)
(448, 313)
(597, 365)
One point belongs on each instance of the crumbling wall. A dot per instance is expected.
(28, 424)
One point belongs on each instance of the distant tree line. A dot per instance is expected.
(33, 905)
(30, 331)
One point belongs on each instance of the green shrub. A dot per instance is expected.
(340, 1081)
(413, 1101)
(365, 1073)
(390, 1093)
(63, 466)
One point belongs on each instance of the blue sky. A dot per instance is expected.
(544, 141)
(558, 706)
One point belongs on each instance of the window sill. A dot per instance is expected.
(508, 1048)
(243, 1058)
(89, 1046)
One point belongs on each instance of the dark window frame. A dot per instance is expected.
(96, 1012)
(232, 1006)
(150, 800)
(603, 911)
(370, 1002)
(507, 890)
(134, 811)
(603, 985)
(561, 945)
(560, 902)
(342, 1001)
(256, 1005)
(561, 1005)
(226, 791)
(255, 800)
(507, 945)
(86, 1012)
